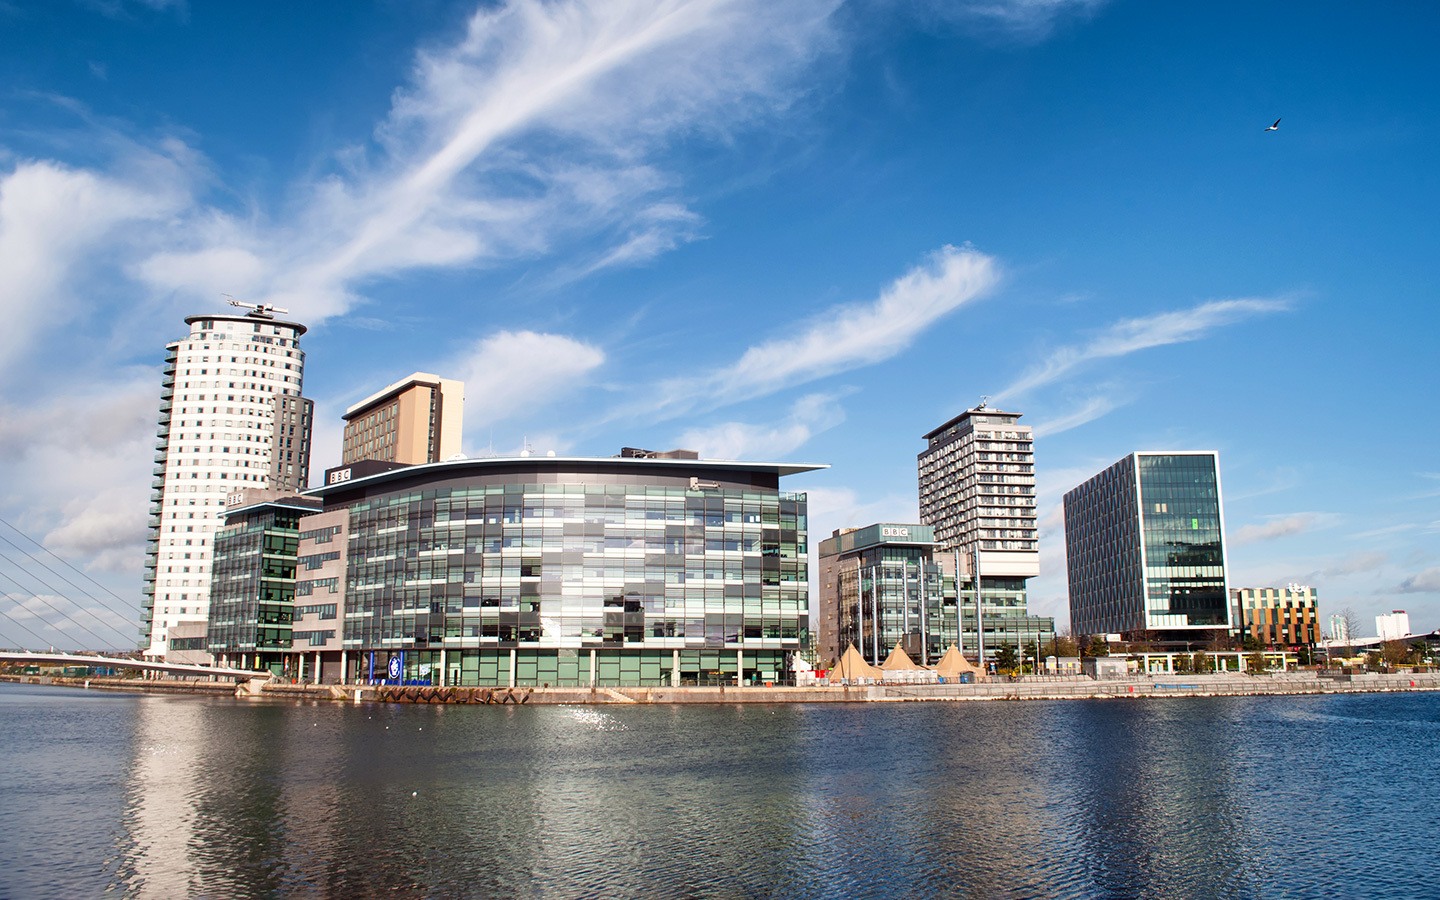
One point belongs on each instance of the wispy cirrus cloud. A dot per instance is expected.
(1092, 409)
(1132, 335)
(1020, 20)
(837, 340)
(540, 125)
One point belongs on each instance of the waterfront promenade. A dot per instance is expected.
(1043, 688)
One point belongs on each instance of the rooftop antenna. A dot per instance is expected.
(984, 399)
(259, 310)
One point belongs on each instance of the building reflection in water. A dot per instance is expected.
(1153, 800)
(1004, 799)
(163, 778)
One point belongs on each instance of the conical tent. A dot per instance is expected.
(954, 664)
(899, 660)
(852, 665)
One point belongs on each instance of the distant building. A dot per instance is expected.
(1394, 626)
(1339, 628)
(416, 420)
(231, 417)
(1277, 617)
(1145, 549)
(885, 584)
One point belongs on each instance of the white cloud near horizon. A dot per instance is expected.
(1283, 526)
(1131, 335)
(1426, 581)
(511, 373)
(808, 416)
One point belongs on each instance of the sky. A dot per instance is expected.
(806, 231)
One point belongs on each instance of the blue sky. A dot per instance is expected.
(806, 231)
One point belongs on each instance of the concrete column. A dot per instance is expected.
(675, 668)
(444, 672)
(512, 666)
(739, 666)
(299, 668)
(593, 667)
(344, 663)
(317, 666)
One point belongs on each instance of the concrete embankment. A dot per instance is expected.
(1070, 688)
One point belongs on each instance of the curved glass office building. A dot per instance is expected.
(566, 571)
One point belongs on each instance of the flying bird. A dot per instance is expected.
(1274, 126)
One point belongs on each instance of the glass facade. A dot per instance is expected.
(1145, 550)
(622, 576)
(1180, 528)
(252, 594)
(880, 589)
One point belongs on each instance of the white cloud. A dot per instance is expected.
(538, 124)
(1089, 411)
(1426, 581)
(1131, 335)
(514, 372)
(838, 339)
(1021, 20)
(1355, 564)
(78, 468)
(54, 223)
(809, 416)
(1282, 526)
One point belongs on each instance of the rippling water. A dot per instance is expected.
(1224, 797)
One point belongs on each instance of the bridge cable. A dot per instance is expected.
(37, 637)
(58, 593)
(57, 611)
(125, 613)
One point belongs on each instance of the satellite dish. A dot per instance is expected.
(525, 452)
(550, 453)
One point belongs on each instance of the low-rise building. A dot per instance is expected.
(1277, 617)
(1394, 626)
(886, 584)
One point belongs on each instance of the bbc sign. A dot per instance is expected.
(894, 531)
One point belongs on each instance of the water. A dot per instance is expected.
(1228, 797)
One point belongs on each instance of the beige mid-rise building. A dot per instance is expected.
(415, 420)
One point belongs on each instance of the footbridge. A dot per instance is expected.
(27, 657)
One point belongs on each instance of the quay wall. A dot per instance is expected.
(1069, 688)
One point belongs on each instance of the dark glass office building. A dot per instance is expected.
(1145, 548)
(252, 585)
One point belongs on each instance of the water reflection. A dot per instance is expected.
(1229, 797)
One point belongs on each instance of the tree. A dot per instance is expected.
(1395, 653)
(1097, 646)
(1005, 659)
(1063, 645)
